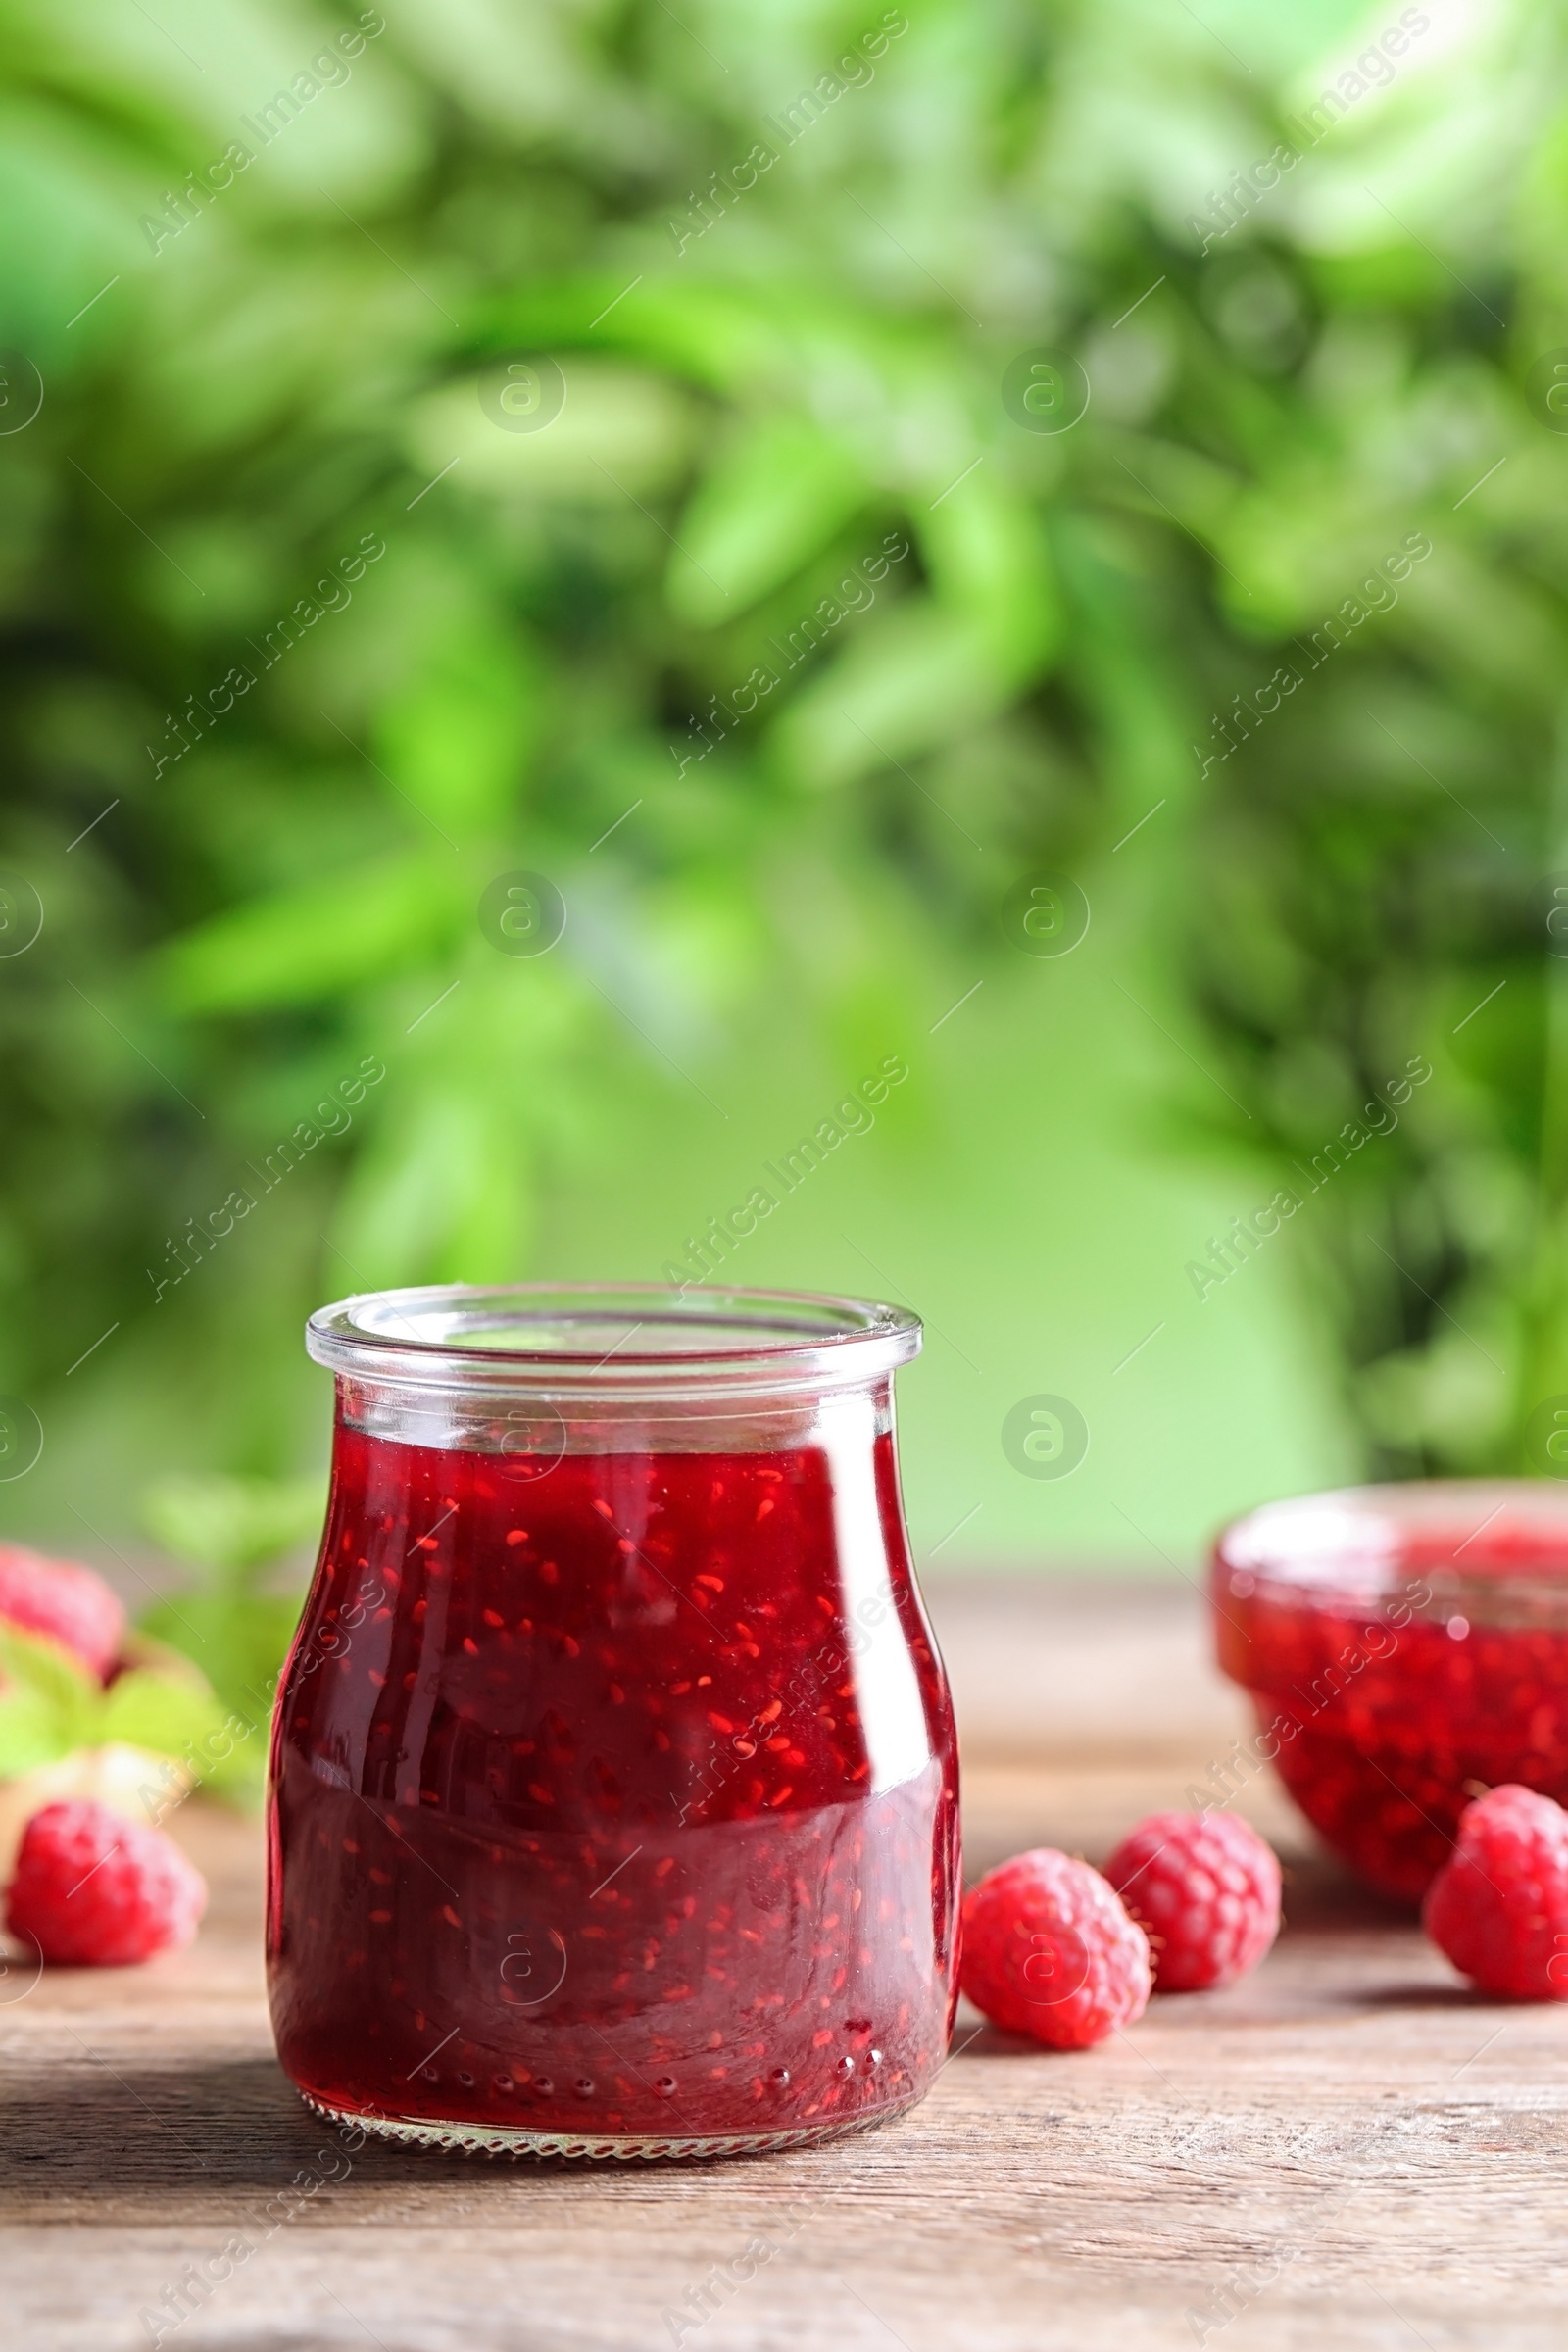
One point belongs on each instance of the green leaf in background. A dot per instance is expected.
(913, 679)
(51, 1707)
(457, 739)
(49, 1697)
(238, 1641)
(29, 1733)
(148, 1710)
(988, 559)
(232, 1525)
(252, 888)
(775, 499)
(313, 940)
(233, 1531)
(33, 1724)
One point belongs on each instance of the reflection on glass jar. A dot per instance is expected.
(615, 1784)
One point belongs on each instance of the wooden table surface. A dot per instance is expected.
(1349, 2148)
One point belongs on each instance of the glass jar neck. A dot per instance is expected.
(538, 1425)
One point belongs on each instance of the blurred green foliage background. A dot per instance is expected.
(251, 384)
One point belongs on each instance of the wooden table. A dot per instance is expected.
(1351, 2147)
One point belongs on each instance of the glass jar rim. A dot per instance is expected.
(574, 1338)
(1378, 1537)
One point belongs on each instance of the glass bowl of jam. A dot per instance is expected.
(1406, 1648)
(613, 1779)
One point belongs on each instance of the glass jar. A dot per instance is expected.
(1406, 1646)
(614, 1786)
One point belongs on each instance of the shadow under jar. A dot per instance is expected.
(613, 1801)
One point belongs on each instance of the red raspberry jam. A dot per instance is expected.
(615, 1795)
(1405, 1647)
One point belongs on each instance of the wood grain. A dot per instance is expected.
(1350, 2144)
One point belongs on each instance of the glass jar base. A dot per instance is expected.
(484, 2140)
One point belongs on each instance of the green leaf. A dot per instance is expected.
(231, 1523)
(988, 560)
(623, 433)
(238, 1641)
(778, 495)
(914, 677)
(441, 1197)
(50, 1706)
(714, 335)
(237, 1636)
(298, 945)
(53, 1688)
(457, 737)
(29, 1733)
(154, 1711)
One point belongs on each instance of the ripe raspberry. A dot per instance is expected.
(1499, 1906)
(71, 1604)
(1049, 1952)
(93, 1890)
(1207, 1890)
